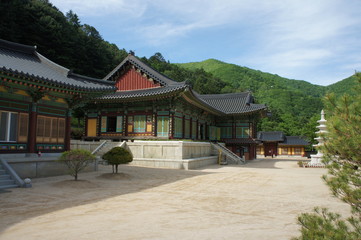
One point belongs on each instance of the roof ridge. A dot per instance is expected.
(72, 74)
(57, 67)
(224, 94)
(145, 67)
(17, 47)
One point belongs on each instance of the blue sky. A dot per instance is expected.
(318, 41)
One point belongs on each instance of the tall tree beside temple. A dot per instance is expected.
(342, 154)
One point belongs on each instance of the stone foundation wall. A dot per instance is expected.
(31, 166)
(169, 149)
(78, 144)
(172, 154)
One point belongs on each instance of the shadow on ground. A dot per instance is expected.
(61, 192)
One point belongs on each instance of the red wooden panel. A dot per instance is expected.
(133, 80)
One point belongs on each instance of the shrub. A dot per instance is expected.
(116, 156)
(76, 160)
(76, 133)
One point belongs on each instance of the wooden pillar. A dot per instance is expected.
(190, 128)
(171, 125)
(67, 130)
(197, 129)
(233, 128)
(183, 126)
(86, 124)
(154, 120)
(155, 124)
(125, 121)
(33, 118)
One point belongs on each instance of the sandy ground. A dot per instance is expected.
(259, 200)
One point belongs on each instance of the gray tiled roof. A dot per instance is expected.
(25, 61)
(228, 104)
(294, 140)
(239, 140)
(232, 103)
(159, 91)
(276, 136)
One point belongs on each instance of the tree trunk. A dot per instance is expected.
(116, 168)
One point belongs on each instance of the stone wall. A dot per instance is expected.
(31, 166)
(78, 144)
(172, 154)
(169, 149)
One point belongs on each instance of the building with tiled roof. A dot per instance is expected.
(276, 143)
(133, 101)
(149, 105)
(36, 98)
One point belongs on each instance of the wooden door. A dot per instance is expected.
(92, 127)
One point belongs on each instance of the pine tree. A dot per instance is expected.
(342, 156)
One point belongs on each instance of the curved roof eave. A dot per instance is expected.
(192, 98)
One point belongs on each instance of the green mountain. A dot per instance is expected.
(295, 105)
(242, 78)
(344, 86)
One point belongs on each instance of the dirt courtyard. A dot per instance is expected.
(259, 200)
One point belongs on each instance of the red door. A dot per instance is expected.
(270, 149)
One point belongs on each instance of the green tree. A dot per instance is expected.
(116, 156)
(76, 160)
(342, 156)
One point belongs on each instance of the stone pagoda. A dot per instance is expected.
(316, 160)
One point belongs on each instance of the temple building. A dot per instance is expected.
(276, 143)
(149, 105)
(133, 101)
(36, 99)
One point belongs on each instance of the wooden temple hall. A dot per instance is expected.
(132, 102)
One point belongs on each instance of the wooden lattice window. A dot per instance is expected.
(242, 132)
(54, 130)
(139, 123)
(23, 127)
(61, 131)
(178, 127)
(187, 127)
(297, 151)
(194, 129)
(162, 126)
(50, 129)
(226, 132)
(8, 126)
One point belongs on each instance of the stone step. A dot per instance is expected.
(5, 182)
(4, 176)
(8, 186)
(2, 172)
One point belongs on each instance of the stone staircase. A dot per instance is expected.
(231, 157)
(5, 179)
(104, 147)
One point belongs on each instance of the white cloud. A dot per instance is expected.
(124, 8)
(285, 36)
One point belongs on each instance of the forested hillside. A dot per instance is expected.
(63, 39)
(295, 105)
(344, 86)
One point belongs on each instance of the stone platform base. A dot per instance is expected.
(186, 164)
(45, 166)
